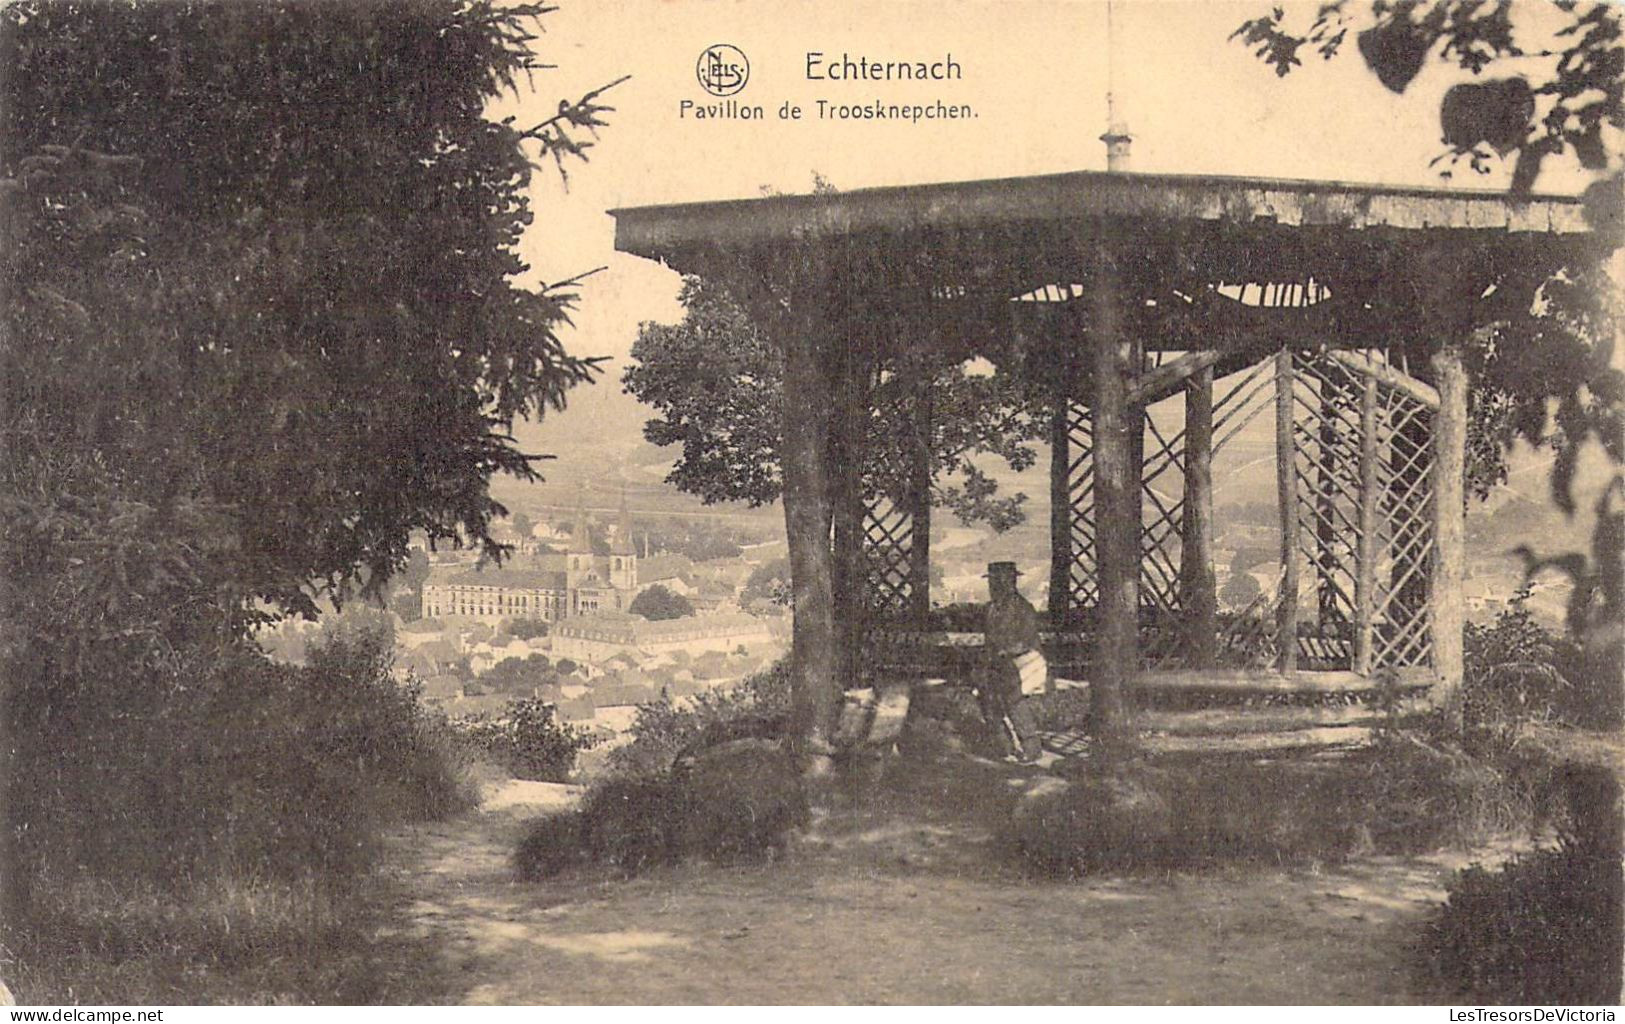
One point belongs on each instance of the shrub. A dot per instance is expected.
(1394, 799)
(732, 802)
(409, 762)
(1107, 818)
(238, 762)
(1514, 673)
(529, 740)
(662, 730)
(626, 823)
(740, 805)
(1546, 928)
(552, 844)
(705, 776)
(633, 824)
(740, 800)
(1409, 797)
(226, 860)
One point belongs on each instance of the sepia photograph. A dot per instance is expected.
(878, 502)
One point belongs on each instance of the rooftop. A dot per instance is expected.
(960, 260)
(514, 579)
(661, 230)
(622, 628)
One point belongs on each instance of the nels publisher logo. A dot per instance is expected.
(722, 69)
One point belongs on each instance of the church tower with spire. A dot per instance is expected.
(578, 559)
(623, 556)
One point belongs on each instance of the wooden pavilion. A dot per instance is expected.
(1341, 309)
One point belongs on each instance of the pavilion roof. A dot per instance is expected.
(674, 232)
(948, 266)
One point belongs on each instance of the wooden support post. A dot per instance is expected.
(1200, 598)
(919, 553)
(1117, 526)
(1060, 508)
(1286, 484)
(1365, 580)
(1446, 602)
(1154, 385)
(850, 581)
(1326, 486)
(1135, 418)
(762, 281)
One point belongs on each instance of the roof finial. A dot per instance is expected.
(1117, 138)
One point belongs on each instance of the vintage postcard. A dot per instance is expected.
(1109, 502)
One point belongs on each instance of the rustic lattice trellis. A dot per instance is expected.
(1326, 436)
(1362, 465)
(1160, 518)
(1370, 619)
(894, 514)
(1400, 628)
(888, 541)
(1163, 463)
(1246, 634)
(1159, 540)
(1082, 583)
(1163, 455)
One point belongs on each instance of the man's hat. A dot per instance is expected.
(1002, 569)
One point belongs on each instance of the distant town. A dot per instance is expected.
(594, 613)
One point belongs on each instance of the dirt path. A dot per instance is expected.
(911, 912)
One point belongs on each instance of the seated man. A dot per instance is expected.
(1013, 668)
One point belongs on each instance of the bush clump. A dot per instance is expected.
(1517, 671)
(245, 766)
(1108, 818)
(623, 823)
(248, 808)
(735, 801)
(740, 800)
(528, 740)
(1401, 798)
(1545, 928)
(663, 730)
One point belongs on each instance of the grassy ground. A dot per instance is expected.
(908, 900)
(238, 942)
(234, 938)
(903, 893)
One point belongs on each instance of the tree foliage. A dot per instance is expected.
(717, 383)
(521, 524)
(264, 257)
(769, 581)
(1545, 372)
(657, 603)
(520, 675)
(525, 629)
(261, 321)
(1566, 110)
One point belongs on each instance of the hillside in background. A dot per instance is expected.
(598, 451)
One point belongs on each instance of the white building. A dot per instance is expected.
(596, 638)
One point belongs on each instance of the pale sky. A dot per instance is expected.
(1035, 73)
